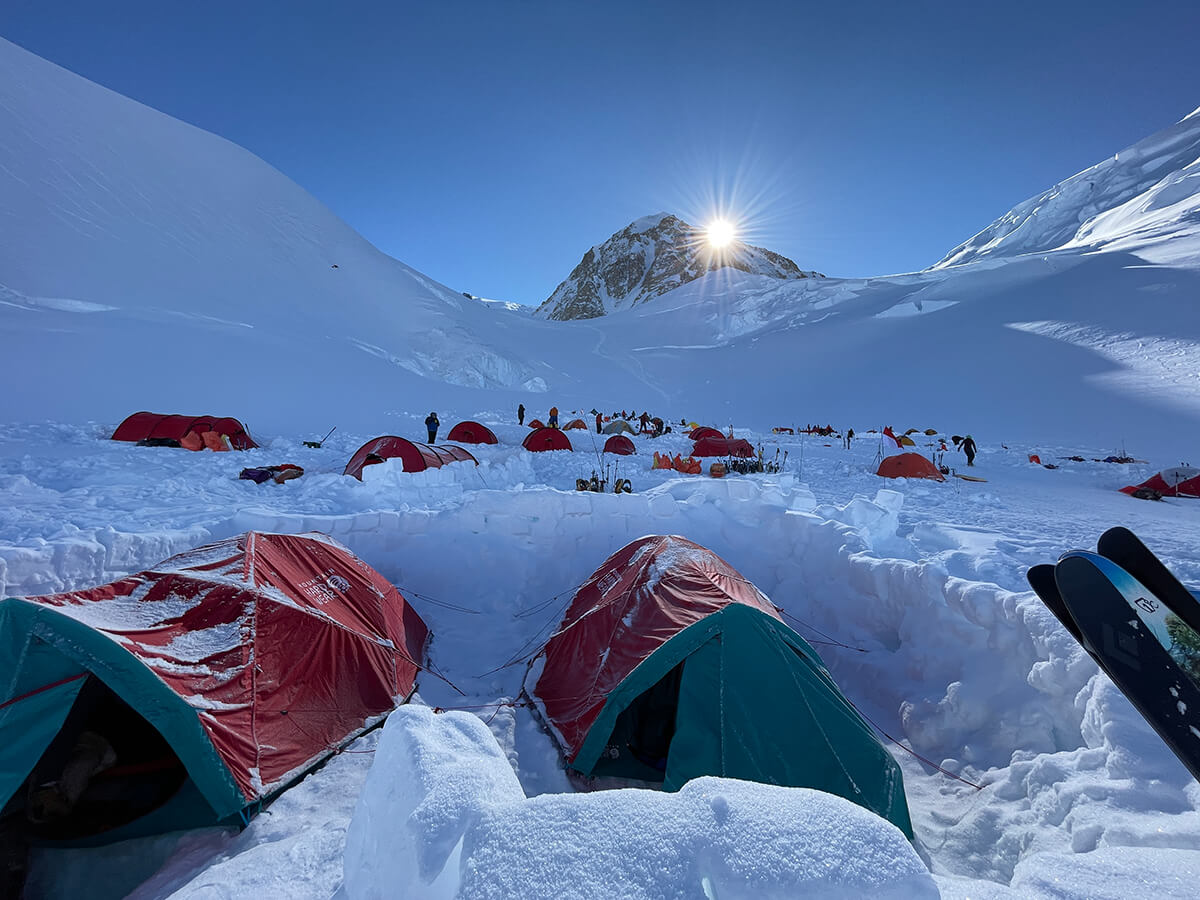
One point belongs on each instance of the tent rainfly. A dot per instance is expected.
(145, 426)
(546, 439)
(216, 679)
(908, 465)
(469, 432)
(723, 446)
(575, 425)
(704, 431)
(1178, 481)
(618, 426)
(670, 665)
(416, 457)
(620, 445)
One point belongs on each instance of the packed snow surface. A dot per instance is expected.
(913, 592)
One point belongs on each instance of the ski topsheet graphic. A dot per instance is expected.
(1126, 549)
(1148, 650)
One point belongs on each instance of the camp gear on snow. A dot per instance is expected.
(416, 457)
(546, 439)
(620, 445)
(670, 665)
(316, 445)
(908, 465)
(279, 474)
(469, 432)
(214, 441)
(225, 674)
(145, 425)
(717, 470)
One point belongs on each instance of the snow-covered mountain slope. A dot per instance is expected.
(146, 264)
(135, 242)
(650, 257)
(1143, 199)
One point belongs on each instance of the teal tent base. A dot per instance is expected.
(740, 695)
(45, 660)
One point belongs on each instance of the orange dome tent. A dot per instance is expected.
(576, 424)
(908, 465)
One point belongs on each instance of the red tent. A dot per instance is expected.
(723, 446)
(416, 457)
(908, 465)
(546, 439)
(704, 431)
(575, 424)
(471, 433)
(641, 597)
(142, 426)
(254, 658)
(1180, 481)
(619, 444)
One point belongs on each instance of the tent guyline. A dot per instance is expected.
(830, 640)
(434, 601)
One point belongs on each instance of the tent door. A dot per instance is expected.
(112, 764)
(641, 738)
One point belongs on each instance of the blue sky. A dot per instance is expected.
(489, 144)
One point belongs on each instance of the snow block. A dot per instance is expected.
(431, 778)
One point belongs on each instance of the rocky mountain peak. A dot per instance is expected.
(648, 258)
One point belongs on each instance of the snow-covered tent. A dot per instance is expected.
(669, 665)
(1179, 481)
(546, 439)
(908, 465)
(416, 457)
(620, 445)
(144, 426)
(469, 432)
(218, 678)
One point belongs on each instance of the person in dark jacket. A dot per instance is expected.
(598, 422)
(520, 413)
(432, 423)
(968, 447)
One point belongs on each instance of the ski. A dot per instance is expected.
(1128, 551)
(1041, 579)
(1148, 652)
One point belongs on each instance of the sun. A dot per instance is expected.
(720, 233)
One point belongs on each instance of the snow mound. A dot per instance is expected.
(439, 779)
